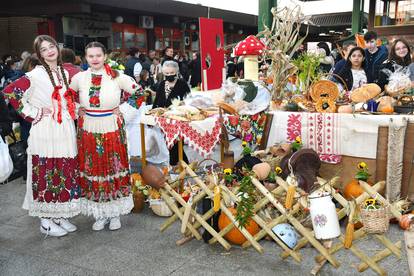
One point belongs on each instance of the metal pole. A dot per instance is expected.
(265, 15)
(356, 16)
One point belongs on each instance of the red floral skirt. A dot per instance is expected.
(55, 179)
(103, 164)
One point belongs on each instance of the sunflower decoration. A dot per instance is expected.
(228, 176)
(297, 144)
(325, 105)
(246, 149)
(278, 170)
(362, 173)
(272, 175)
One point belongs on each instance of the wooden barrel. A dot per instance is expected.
(382, 150)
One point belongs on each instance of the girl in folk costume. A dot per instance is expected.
(103, 159)
(43, 97)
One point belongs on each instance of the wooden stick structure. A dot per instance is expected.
(390, 247)
(191, 221)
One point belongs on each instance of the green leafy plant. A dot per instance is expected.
(307, 64)
(246, 204)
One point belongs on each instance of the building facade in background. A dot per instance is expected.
(119, 25)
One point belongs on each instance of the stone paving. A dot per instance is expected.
(139, 248)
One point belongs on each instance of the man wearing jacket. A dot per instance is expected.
(374, 56)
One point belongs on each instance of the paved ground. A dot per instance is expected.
(139, 248)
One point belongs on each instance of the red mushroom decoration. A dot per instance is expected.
(250, 48)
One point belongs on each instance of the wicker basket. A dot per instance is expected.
(273, 161)
(375, 220)
(160, 208)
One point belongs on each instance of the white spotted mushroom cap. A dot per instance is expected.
(249, 46)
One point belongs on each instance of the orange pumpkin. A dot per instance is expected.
(353, 189)
(405, 221)
(387, 109)
(235, 236)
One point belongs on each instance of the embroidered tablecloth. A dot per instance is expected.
(332, 134)
(202, 136)
(249, 128)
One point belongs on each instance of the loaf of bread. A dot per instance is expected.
(227, 108)
(365, 93)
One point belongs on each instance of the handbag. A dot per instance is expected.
(6, 163)
(18, 155)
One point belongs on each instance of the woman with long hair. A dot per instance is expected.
(103, 159)
(353, 72)
(400, 55)
(43, 97)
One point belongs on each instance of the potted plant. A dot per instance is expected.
(139, 193)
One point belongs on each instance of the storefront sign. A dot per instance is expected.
(86, 26)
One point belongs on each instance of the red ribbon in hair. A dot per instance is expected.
(109, 70)
(70, 101)
(56, 96)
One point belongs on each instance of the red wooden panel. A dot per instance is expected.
(211, 32)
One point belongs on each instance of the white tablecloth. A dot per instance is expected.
(333, 133)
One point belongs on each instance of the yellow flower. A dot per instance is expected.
(121, 67)
(244, 143)
(278, 170)
(362, 165)
(227, 171)
(298, 139)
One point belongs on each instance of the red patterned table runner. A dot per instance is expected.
(202, 136)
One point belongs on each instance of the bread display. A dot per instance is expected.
(365, 93)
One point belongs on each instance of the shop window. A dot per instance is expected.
(394, 12)
(126, 36)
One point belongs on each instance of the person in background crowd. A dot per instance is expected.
(400, 54)
(104, 168)
(374, 56)
(183, 64)
(171, 88)
(347, 46)
(353, 72)
(23, 56)
(52, 186)
(195, 70)
(326, 61)
(335, 53)
(151, 55)
(155, 68)
(167, 54)
(133, 66)
(84, 65)
(29, 64)
(240, 67)
(411, 68)
(12, 73)
(68, 59)
(147, 82)
(300, 51)
(231, 67)
(145, 63)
